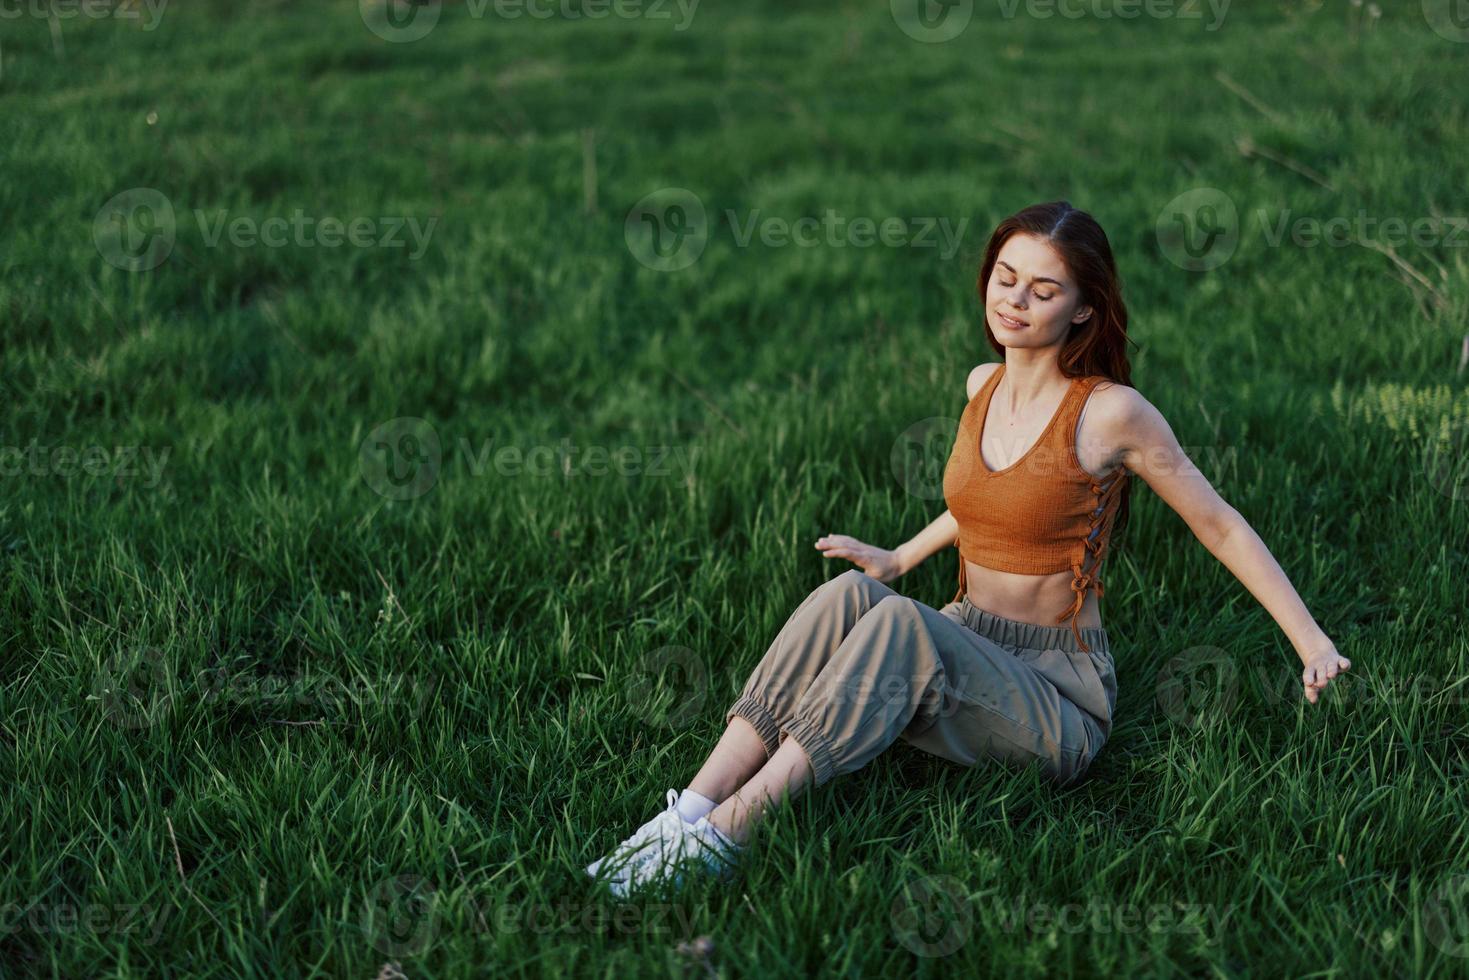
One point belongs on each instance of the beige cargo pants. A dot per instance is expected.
(857, 666)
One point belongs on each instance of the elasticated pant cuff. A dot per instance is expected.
(818, 748)
(760, 718)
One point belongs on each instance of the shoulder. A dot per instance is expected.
(979, 376)
(1120, 414)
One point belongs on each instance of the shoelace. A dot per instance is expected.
(634, 849)
(670, 836)
(681, 846)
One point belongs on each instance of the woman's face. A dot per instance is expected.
(1031, 299)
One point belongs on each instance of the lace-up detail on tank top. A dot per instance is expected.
(1041, 514)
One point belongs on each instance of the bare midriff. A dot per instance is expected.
(1027, 598)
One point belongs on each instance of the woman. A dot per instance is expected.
(1036, 484)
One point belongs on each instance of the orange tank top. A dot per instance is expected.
(1041, 514)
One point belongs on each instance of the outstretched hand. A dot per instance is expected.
(1321, 669)
(879, 563)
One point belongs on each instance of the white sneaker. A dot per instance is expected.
(697, 848)
(621, 857)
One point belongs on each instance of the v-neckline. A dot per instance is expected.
(984, 417)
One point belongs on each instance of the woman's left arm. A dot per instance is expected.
(1142, 441)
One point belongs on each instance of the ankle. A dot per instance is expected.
(725, 820)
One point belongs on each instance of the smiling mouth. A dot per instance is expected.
(1011, 322)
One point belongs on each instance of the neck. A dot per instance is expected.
(1031, 376)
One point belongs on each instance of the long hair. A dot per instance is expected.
(1097, 345)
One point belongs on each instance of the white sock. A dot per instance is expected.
(691, 806)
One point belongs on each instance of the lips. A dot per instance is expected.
(1010, 321)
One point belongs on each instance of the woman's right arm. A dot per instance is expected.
(885, 565)
(940, 534)
(943, 531)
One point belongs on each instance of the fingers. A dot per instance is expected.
(841, 546)
(1313, 679)
(1317, 676)
(836, 541)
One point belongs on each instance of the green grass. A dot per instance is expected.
(246, 697)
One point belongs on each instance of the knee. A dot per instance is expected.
(855, 581)
(892, 607)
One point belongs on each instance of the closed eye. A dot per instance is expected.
(1035, 293)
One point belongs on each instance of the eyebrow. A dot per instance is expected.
(1007, 265)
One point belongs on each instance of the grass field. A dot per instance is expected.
(402, 475)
